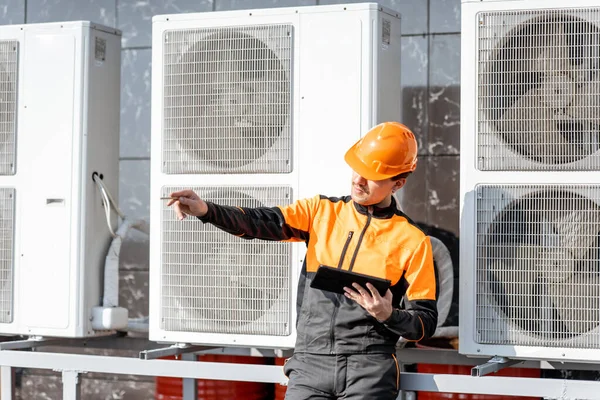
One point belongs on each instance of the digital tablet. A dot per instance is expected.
(334, 280)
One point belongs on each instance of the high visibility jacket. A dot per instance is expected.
(338, 232)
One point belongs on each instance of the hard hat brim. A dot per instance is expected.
(361, 168)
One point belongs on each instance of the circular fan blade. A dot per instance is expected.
(530, 126)
(234, 94)
(586, 103)
(553, 56)
(542, 88)
(577, 302)
(578, 230)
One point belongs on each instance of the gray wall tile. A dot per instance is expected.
(444, 95)
(99, 11)
(444, 16)
(414, 87)
(133, 293)
(12, 12)
(135, 17)
(135, 251)
(444, 60)
(443, 192)
(412, 197)
(223, 5)
(134, 188)
(414, 12)
(136, 77)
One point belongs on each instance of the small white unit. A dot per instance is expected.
(59, 123)
(255, 108)
(530, 181)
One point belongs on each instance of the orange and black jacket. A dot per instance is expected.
(338, 232)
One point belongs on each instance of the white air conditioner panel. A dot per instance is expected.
(344, 77)
(46, 102)
(66, 128)
(501, 313)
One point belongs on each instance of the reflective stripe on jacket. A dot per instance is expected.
(338, 232)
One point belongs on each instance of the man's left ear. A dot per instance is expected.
(398, 185)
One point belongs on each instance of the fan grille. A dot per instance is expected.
(227, 100)
(539, 90)
(7, 217)
(538, 265)
(214, 282)
(8, 105)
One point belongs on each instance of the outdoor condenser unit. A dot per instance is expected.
(255, 108)
(59, 123)
(530, 181)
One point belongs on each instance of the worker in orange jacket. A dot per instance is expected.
(345, 345)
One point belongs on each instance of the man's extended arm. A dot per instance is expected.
(285, 223)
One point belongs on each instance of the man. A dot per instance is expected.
(345, 346)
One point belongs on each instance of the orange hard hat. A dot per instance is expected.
(387, 150)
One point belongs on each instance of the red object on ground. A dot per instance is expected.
(172, 388)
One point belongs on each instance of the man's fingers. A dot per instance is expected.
(182, 193)
(374, 292)
(359, 289)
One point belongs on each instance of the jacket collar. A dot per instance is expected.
(381, 213)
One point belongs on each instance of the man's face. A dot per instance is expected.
(367, 193)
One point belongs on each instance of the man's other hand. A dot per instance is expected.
(379, 307)
(186, 203)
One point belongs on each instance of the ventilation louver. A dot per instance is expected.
(538, 265)
(8, 105)
(218, 283)
(539, 90)
(227, 100)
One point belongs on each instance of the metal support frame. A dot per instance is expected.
(190, 385)
(173, 350)
(73, 365)
(7, 379)
(494, 365)
(32, 342)
(71, 385)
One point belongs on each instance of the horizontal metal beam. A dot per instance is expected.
(136, 366)
(498, 385)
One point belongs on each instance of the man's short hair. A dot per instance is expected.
(403, 175)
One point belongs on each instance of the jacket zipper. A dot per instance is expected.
(360, 238)
(337, 301)
(350, 234)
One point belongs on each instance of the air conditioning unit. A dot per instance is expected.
(59, 124)
(255, 108)
(530, 186)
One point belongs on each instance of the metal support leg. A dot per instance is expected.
(7, 383)
(71, 385)
(190, 385)
(494, 365)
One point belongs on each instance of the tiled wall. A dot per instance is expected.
(430, 79)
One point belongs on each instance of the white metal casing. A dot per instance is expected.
(67, 128)
(344, 80)
(523, 173)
